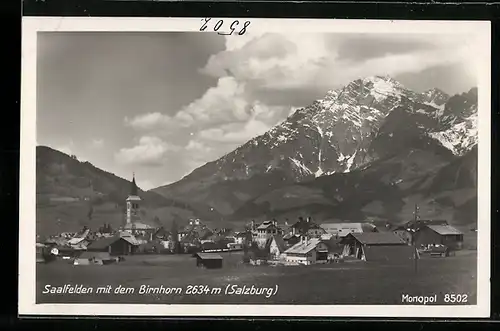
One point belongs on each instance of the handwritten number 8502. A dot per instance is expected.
(220, 23)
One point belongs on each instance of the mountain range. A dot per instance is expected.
(369, 150)
(371, 123)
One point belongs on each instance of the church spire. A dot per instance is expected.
(133, 189)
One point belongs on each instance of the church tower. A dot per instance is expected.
(133, 202)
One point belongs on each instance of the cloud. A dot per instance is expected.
(150, 151)
(235, 133)
(198, 147)
(157, 121)
(225, 103)
(275, 72)
(322, 61)
(263, 78)
(97, 143)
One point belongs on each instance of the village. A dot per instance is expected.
(303, 242)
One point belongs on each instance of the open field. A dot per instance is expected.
(343, 283)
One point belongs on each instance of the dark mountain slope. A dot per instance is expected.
(71, 194)
(387, 189)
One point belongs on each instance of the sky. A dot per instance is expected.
(161, 104)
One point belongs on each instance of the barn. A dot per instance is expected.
(376, 246)
(116, 245)
(440, 234)
(209, 260)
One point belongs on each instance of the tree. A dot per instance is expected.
(175, 235)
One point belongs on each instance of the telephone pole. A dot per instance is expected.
(414, 232)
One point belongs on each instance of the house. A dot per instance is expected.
(406, 230)
(291, 239)
(277, 247)
(99, 258)
(209, 260)
(140, 229)
(307, 251)
(376, 246)
(306, 227)
(341, 230)
(439, 234)
(265, 231)
(121, 244)
(242, 237)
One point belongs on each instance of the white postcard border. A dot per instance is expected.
(27, 200)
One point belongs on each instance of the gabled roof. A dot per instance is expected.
(75, 241)
(444, 229)
(133, 198)
(378, 238)
(266, 225)
(303, 247)
(279, 242)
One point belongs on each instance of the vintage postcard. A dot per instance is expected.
(255, 167)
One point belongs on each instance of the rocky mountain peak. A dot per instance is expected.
(435, 97)
(349, 128)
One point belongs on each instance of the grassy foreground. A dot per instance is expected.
(344, 283)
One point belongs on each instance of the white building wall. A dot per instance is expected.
(302, 259)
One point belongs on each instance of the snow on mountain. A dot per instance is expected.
(339, 133)
(458, 123)
(435, 97)
(460, 137)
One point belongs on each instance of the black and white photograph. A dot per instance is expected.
(255, 167)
